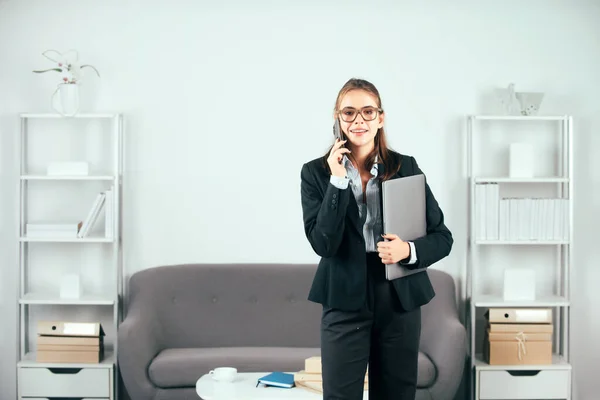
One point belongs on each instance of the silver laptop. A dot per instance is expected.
(404, 215)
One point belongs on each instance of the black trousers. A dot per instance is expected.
(380, 335)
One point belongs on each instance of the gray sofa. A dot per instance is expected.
(184, 320)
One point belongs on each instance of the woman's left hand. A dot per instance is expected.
(394, 250)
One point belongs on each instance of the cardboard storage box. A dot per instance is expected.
(518, 336)
(70, 342)
(518, 344)
(311, 377)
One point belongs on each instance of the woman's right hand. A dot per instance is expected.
(335, 159)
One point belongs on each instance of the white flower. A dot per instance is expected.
(67, 64)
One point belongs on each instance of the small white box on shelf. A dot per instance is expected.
(519, 284)
(52, 230)
(70, 287)
(521, 160)
(68, 168)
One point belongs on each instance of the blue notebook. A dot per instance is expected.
(278, 379)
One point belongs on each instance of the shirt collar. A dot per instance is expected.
(374, 169)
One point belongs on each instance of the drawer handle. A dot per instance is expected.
(64, 371)
(64, 398)
(517, 372)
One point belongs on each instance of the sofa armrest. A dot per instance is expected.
(446, 346)
(139, 343)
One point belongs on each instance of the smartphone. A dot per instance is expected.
(337, 131)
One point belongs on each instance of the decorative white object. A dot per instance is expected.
(508, 100)
(530, 102)
(68, 66)
(521, 160)
(519, 284)
(68, 168)
(67, 102)
(519, 103)
(70, 287)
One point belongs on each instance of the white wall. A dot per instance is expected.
(224, 101)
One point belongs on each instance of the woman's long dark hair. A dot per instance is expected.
(390, 163)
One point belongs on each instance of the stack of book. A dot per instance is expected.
(518, 336)
(69, 342)
(311, 376)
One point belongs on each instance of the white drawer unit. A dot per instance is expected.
(93, 383)
(524, 384)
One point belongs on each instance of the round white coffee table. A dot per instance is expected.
(244, 388)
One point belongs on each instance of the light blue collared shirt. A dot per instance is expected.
(369, 210)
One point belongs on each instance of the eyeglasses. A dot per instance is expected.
(349, 114)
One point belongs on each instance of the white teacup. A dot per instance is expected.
(224, 374)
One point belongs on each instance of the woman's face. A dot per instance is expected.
(360, 132)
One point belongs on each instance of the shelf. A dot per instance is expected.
(36, 301)
(485, 138)
(558, 362)
(77, 116)
(521, 117)
(497, 301)
(55, 299)
(29, 361)
(67, 177)
(89, 239)
(520, 180)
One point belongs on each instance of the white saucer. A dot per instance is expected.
(232, 381)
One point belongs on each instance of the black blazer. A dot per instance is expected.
(333, 228)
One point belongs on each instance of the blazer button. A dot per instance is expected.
(334, 195)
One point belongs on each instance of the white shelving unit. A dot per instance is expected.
(551, 381)
(69, 380)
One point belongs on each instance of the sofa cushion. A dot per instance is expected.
(203, 305)
(182, 367)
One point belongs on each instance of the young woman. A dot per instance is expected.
(367, 321)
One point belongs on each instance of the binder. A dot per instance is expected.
(63, 328)
(520, 315)
(403, 208)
